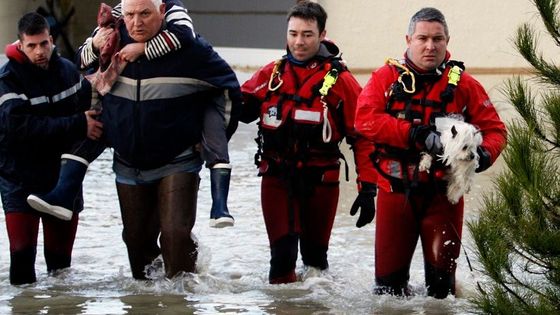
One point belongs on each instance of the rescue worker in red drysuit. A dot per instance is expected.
(397, 113)
(299, 135)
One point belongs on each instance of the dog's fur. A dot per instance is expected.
(460, 141)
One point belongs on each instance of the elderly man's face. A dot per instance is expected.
(143, 20)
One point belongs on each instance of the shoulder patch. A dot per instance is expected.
(487, 103)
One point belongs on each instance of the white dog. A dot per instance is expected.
(460, 141)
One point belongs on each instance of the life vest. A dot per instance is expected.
(419, 107)
(299, 122)
(405, 102)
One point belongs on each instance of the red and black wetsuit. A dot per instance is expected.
(412, 204)
(298, 162)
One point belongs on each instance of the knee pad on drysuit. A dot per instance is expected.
(283, 259)
(22, 266)
(439, 282)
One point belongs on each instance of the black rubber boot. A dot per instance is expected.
(177, 199)
(140, 225)
(59, 202)
(22, 266)
(440, 283)
(56, 261)
(393, 284)
(314, 255)
(283, 259)
(220, 175)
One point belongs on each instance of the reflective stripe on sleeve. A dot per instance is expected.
(68, 92)
(43, 99)
(10, 96)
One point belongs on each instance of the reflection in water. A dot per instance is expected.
(51, 302)
(233, 262)
(150, 304)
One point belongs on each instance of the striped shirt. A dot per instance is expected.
(179, 30)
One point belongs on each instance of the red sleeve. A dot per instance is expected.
(254, 92)
(348, 89)
(482, 113)
(372, 121)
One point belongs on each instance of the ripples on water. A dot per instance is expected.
(233, 263)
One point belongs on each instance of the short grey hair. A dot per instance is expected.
(156, 3)
(427, 15)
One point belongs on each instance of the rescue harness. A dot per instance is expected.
(403, 90)
(334, 67)
(328, 82)
(301, 181)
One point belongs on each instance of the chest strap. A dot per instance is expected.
(328, 81)
(275, 82)
(404, 88)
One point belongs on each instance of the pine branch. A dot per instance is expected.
(526, 44)
(521, 98)
(525, 286)
(549, 15)
(517, 234)
(512, 292)
(551, 104)
(530, 259)
(531, 168)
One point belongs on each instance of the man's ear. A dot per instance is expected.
(323, 35)
(162, 9)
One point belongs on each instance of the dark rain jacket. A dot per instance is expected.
(41, 116)
(154, 111)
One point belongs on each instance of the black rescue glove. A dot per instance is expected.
(425, 138)
(365, 201)
(484, 161)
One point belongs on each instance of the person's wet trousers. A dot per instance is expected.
(167, 207)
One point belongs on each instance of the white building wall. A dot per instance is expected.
(368, 31)
(481, 31)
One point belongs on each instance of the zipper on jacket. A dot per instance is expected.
(138, 67)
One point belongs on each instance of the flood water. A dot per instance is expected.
(233, 262)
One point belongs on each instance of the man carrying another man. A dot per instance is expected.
(153, 118)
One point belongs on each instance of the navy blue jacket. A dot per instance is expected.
(41, 116)
(155, 109)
